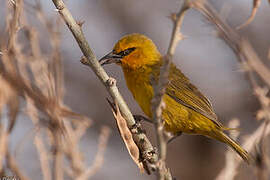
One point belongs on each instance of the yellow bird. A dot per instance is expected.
(187, 109)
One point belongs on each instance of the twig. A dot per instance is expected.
(262, 160)
(159, 90)
(37, 78)
(90, 59)
(44, 158)
(241, 47)
(3, 146)
(256, 4)
(39, 143)
(177, 23)
(103, 140)
(244, 51)
(229, 170)
(14, 24)
(12, 165)
(58, 173)
(250, 143)
(251, 63)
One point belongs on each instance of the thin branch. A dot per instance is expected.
(159, 89)
(256, 5)
(13, 166)
(98, 161)
(90, 59)
(3, 146)
(44, 157)
(241, 47)
(58, 172)
(229, 170)
(177, 23)
(252, 64)
(244, 52)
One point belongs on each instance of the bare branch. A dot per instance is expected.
(103, 140)
(241, 47)
(229, 170)
(256, 5)
(12, 164)
(159, 89)
(90, 59)
(251, 63)
(44, 158)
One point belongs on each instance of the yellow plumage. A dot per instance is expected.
(187, 109)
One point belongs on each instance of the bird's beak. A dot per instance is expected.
(110, 58)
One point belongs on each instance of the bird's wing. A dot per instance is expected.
(181, 90)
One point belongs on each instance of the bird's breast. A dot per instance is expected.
(138, 82)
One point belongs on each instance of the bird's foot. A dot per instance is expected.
(139, 118)
(137, 127)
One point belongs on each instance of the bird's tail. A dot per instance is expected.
(227, 140)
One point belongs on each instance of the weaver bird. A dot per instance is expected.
(187, 110)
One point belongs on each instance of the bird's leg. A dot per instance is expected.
(139, 118)
(137, 124)
(171, 137)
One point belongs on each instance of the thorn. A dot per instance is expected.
(173, 17)
(163, 105)
(80, 23)
(261, 114)
(180, 36)
(111, 81)
(84, 60)
(245, 67)
(59, 8)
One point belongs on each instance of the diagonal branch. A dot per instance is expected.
(252, 65)
(90, 59)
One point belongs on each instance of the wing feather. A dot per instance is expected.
(181, 90)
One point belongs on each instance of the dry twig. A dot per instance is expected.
(159, 90)
(98, 161)
(252, 64)
(37, 78)
(256, 5)
(89, 59)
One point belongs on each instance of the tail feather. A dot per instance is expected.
(233, 144)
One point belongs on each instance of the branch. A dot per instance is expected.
(256, 5)
(98, 161)
(230, 168)
(90, 59)
(241, 47)
(252, 64)
(159, 89)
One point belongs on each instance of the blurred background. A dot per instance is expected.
(202, 56)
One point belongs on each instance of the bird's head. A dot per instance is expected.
(133, 51)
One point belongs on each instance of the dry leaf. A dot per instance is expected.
(126, 135)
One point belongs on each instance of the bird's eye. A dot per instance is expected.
(126, 52)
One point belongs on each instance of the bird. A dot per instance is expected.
(186, 110)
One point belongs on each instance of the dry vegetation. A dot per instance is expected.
(32, 83)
